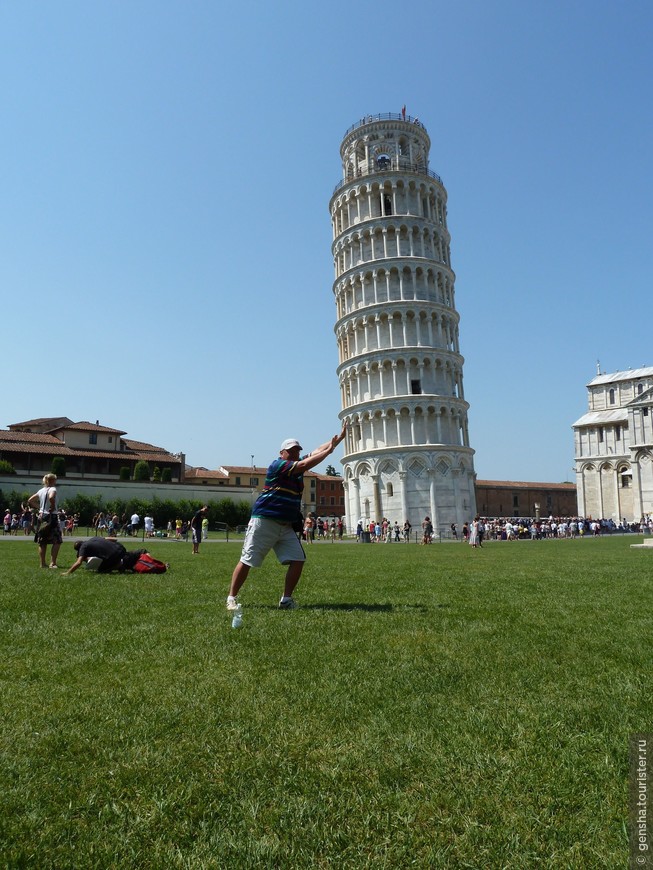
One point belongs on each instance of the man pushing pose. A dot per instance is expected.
(275, 512)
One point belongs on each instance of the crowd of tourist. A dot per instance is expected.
(129, 525)
(322, 528)
(24, 522)
(513, 528)
(333, 528)
(483, 529)
(110, 525)
(386, 531)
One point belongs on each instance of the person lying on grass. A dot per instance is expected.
(112, 556)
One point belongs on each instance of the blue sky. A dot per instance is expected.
(164, 227)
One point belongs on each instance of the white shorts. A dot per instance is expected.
(263, 535)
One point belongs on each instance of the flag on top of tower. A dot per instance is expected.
(403, 112)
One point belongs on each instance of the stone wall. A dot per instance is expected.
(125, 490)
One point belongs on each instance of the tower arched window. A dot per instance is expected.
(611, 397)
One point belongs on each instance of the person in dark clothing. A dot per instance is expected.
(196, 527)
(113, 555)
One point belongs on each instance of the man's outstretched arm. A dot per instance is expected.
(74, 566)
(321, 453)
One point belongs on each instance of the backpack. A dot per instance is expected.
(146, 564)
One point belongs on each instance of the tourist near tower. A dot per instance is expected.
(407, 453)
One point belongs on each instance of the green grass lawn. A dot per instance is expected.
(426, 706)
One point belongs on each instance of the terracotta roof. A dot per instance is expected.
(87, 454)
(105, 454)
(53, 448)
(243, 469)
(29, 442)
(522, 484)
(143, 445)
(205, 473)
(48, 422)
(150, 457)
(257, 470)
(56, 448)
(85, 426)
(28, 437)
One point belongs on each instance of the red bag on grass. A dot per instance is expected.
(147, 564)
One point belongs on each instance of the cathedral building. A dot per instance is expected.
(614, 447)
(407, 453)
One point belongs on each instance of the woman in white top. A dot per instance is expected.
(45, 502)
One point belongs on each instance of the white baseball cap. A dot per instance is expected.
(289, 443)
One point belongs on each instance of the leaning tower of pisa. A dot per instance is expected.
(407, 453)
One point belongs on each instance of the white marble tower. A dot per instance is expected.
(407, 453)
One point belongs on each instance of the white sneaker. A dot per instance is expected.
(287, 604)
(232, 603)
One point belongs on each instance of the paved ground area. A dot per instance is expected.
(127, 541)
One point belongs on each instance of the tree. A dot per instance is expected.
(230, 512)
(156, 474)
(331, 472)
(13, 500)
(84, 505)
(6, 467)
(124, 472)
(141, 470)
(59, 466)
(166, 475)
